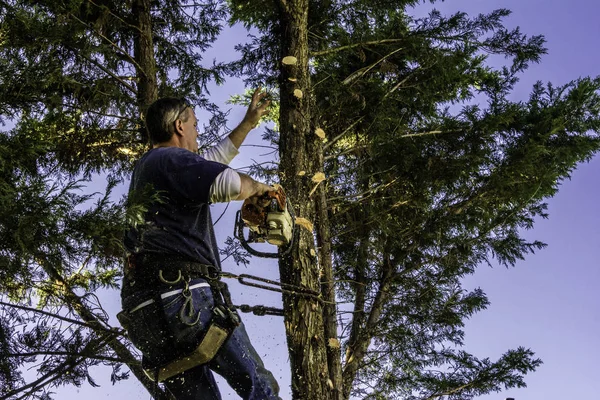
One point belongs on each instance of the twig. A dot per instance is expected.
(351, 46)
(122, 51)
(67, 319)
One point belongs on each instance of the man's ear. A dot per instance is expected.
(178, 127)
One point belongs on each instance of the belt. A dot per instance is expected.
(166, 295)
(147, 268)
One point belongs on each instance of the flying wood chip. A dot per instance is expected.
(301, 173)
(298, 93)
(306, 224)
(289, 60)
(334, 343)
(320, 133)
(318, 177)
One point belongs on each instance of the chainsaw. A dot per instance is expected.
(273, 224)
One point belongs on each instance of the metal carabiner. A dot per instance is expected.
(188, 302)
(164, 280)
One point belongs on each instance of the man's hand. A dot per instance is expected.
(260, 201)
(257, 108)
(251, 189)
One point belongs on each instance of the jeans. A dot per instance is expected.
(153, 329)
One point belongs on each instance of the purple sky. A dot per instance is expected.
(547, 302)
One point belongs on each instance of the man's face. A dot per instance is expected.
(190, 131)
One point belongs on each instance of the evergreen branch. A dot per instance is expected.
(116, 46)
(54, 374)
(364, 335)
(260, 146)
(338, 137)
(351, 46)
(347, 151)
(363, 71)
(396, 86)
(100, 113)
(74, 301)
(61, 353)
(107, 71)
(69, 364)
(451, 391)
(107, 9)
(66, 319)
(185, 53)
(428, 133)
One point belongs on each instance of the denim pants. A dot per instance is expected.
(154, 327)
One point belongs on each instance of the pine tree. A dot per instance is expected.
(75, 78)
(431, 171)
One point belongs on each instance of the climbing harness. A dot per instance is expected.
(223, 321)
(224, 318)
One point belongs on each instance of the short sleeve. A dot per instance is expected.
(226, 187)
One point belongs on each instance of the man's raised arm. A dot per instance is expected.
(256, 109)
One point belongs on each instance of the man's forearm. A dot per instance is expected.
(250, 188)
(238, 135)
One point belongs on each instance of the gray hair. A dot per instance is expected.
(161, 117)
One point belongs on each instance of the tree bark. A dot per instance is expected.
(298, 149)
(334, 362)
(147, 89)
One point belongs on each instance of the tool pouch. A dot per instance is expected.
(223, 323)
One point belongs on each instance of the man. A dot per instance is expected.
(171, 292)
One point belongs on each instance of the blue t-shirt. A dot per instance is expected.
(179, 224)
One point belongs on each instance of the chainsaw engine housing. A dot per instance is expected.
(272, 223)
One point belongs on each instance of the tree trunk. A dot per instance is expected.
(361, 336)
(147, 89)
(328, 289)
(298, 150)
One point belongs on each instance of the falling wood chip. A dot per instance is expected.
(298, 93)
(301, 173)
(289, 60)
(313, 252)
(306, 224)
(320, 133)
(318, 177)
(349, 356)
(334, 343)
(314, 189)
(330, 384)
(292, 79)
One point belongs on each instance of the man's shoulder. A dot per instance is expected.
(172, 156)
